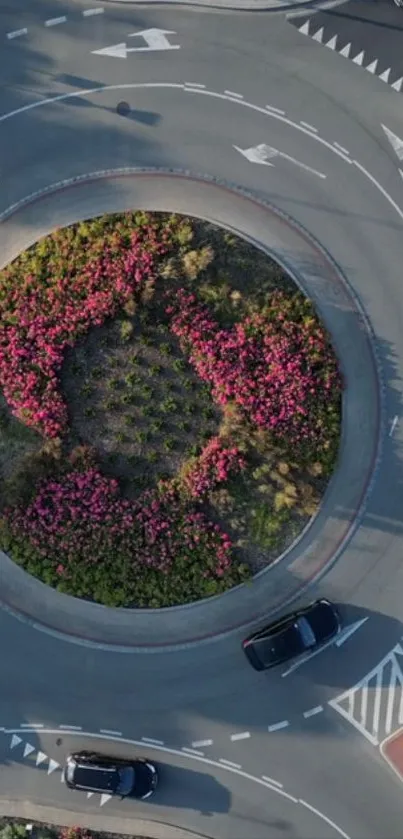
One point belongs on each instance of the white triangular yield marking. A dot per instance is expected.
(115, 51)
(318, 36)
(53, 764)
(332, 43)
(372, 67)
(15, 741)
(28, 749)
(385, 75)
(398, 85)
(345, 51)
(40, 758)
(104, 799)
(89, 794)
(359, 58)
(304, 29)
(395, 141)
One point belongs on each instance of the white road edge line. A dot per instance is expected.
(229, 763)
(313, 711)
(54, 21)
(322, 816)
(90, 12)
(278, 725)
(152, 742)
(109, 731)
(16, 33)
(378, 186)
(231, 93)
(272, 781)
(192, 751)
(244, 735)
(198, 743)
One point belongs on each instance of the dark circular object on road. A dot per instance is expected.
(123, 109)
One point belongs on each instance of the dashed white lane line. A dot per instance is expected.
(111, 732)
(153, 742)
(55, 21)
(71, 727)
(393, 425)
(198, 743)
(278, 725)
(341, 148)
(235, 95)
(229, 763)
(32, 725)
(192, 751)
(90, 12)
(195, 84)
(17, 33)
(309, 127)
(272, 781)
(244, 735)
(275, 110)
(313, 711)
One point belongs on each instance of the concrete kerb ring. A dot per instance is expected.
(327, 535)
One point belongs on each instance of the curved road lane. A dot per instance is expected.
(207, 694)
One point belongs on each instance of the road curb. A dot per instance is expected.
(321, 544)
(233, 6)
(103, 823)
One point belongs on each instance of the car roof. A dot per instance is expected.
(102, 778)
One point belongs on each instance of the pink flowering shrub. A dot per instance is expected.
(39, 319)
(277, 365)
(214, 465)
(79, 535)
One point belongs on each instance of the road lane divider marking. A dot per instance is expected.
(192, 751)
(341, 148)
(55, 21)
(110, 731)
(278, 725)
(32, 725)
(152, 741)
(322, 816)
(244, 735)
(91, 12)
(235, 95)
(194, 84)
(308, 126)
(71, 727)
(272, 781)
(229, 763)
(199, 743)
(313, 711)
(17, 33)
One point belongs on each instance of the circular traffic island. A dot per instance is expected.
(170, 410)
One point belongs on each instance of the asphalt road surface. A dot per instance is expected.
(237, 81)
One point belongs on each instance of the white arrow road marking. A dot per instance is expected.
(104, 799)
(262, 153)
(339, 640)
(40, 758)
(28, 749)
(349, 630)
(155, 39)
(256, 154)
(53, 764)
(15, 741)
(395, 141)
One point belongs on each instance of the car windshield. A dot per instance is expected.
(307, 634)
(274, 649)
(126, 780)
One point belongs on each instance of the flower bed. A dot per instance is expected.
(172, 408)
(19, 829)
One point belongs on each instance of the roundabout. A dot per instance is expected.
(298, 139)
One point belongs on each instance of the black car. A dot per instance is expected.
(293, 635)
(93, 772)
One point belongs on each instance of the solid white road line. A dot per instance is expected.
(278, 725)
(341, 148)
(90, 12)
(192, 751)
(153, 742)
(71, 727)
(309, 127)
(275, 110)
(313, 711)
(325, 818)
(54, 21)
(244, 735)
(231, 93)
